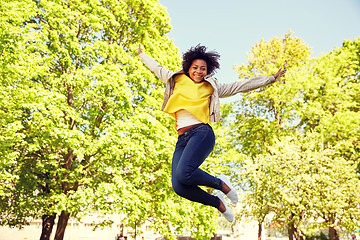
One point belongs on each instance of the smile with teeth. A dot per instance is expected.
(197, 70)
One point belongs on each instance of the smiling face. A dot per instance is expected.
(198, 70)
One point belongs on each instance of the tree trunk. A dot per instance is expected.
(47, 226)
(332, 231)
(297, 234)
(291, 231)
(259, 230)
(61, 225)
(333, 234)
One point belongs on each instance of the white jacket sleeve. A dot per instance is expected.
(230, 89)
(162, 73)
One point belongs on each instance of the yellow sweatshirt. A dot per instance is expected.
(191, 96)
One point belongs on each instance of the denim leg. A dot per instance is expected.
(191, 151)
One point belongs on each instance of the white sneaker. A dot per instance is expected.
(232, 195)
(228, 213)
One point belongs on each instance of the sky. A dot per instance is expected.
(232, 27)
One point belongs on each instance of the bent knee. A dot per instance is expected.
(183, 177)
(179, 190)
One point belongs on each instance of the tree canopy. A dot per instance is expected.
(311, 118)
(81, 129)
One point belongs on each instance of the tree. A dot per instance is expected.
(329, 99)
(263, 115)
(329, 105)
(80, 129)
(317, 98)
(308, 182)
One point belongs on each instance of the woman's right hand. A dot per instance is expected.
(139, 49)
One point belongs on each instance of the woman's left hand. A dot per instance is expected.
(279, 74)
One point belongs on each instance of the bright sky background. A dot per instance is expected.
(232, 27)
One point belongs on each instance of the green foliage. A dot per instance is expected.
(299, 177)
(300, 136)
(262, 115)
(329, 101)
(80, 129)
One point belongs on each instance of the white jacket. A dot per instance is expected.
(220, 90)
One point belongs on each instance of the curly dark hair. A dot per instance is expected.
(199, 52)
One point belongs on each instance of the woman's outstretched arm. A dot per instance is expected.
(230, 89)
(162, 73)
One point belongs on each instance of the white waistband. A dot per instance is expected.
(185, 118)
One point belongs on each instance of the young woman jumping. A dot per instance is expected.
(192, 98)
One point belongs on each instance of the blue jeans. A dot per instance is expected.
(192, 148)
